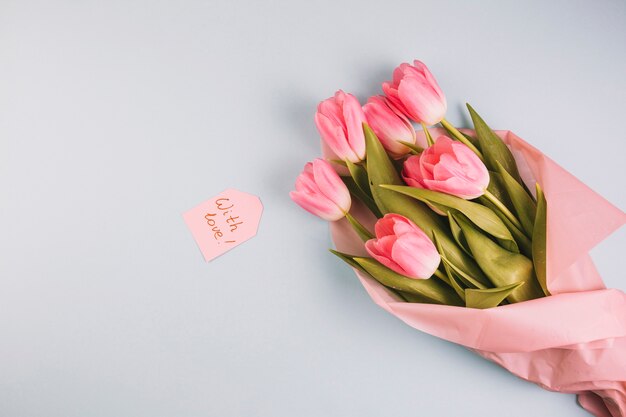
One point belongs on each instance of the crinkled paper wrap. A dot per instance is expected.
(573, 341)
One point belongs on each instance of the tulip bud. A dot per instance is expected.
(390, 128)
(415, 93)
(339, 120)
(403, 247)
(449, 167)
(320, 191)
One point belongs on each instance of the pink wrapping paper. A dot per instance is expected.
(573, 341)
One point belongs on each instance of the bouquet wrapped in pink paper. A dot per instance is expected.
(473, 236)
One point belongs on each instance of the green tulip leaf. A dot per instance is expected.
(496, 187)
(363, 233)
(539, 240)
(408, 297)
(380, 171)
(457, 233)
(493, 148)
(490, 297)
(358, 193)
(349, 259)
(413, 147)
(359, 175)
(441, 208)
(468, 280)
(480, 215)
(523, 203)
(523, 243)
(338, 162)
(432, 291)
(503, 267)
(449, 274)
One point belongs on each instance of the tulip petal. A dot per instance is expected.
(403, 247)
(305, 181)
(455, 186)
(330, 185)
(384, 226)
(448, 167)
(317, 205)
(416, 94)
(354, 117)
(334, 136)
(413, 183)
(411, 172)
(306, 184)
(380, 249)
(474, 168)
(422, 103)
(398, 73)
(417, 256)
(390, 128)
(332, 110)
(393, 100)
(405, 226)
(430, 79)
(339, 120)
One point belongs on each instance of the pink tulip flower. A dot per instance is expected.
(449, 167)
(403, 247)
(391, 128)
(415, 93)
(320, 191)
(339, 120)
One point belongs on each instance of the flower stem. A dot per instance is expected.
(429, 138)
(503, 209)
(459, 136)
(363, 233)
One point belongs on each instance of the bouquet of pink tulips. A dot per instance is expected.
(473, 236)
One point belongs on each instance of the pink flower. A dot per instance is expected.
(339, 120)
(415, 93)
(320, 191)
(449, 167)
(403, 247)
(391, 128)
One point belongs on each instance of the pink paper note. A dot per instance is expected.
(224, 222)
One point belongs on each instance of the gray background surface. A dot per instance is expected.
(117, 116)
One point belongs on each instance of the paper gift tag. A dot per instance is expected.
(224, 222)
